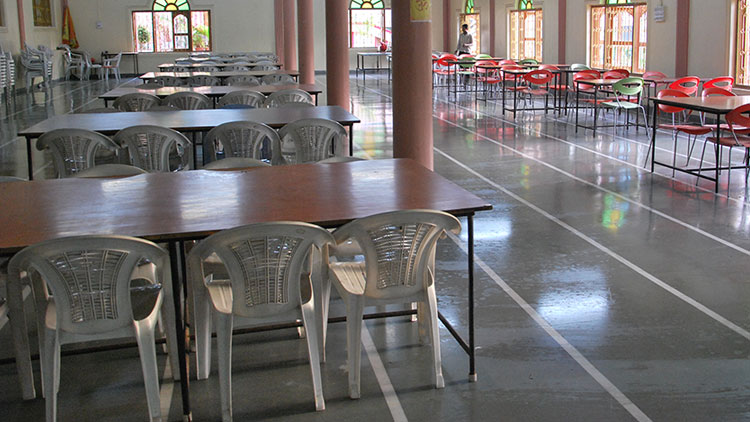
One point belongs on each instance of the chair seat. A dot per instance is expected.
(351, 276)
(622, 104)
(729, 141)
(489, 80)
(537, 91)
(558, 87)
(689, 129)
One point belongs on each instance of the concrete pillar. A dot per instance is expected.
(290, 41)
(278, 24)
(447, 47)
(562, 29)
(21, 24)
(306, 41)
(492, 29)
(337, 52)
(412, 86)
(683, 37)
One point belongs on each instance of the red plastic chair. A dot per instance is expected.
(676, 127)
(723, 82)
(653, 74)
(537, 84)
(616, 74)
(688, 85)
(488, 76)
(739, 127)
(507, 62)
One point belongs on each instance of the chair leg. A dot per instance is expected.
(170, 328)
(224, 350)
(310, 321)
(423, 326)
(324, 297)
(435, 337)
(51, 372)
(144, 336)
(354, 311)
(202, 324)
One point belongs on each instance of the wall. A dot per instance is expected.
(9, 38)
(709, 37)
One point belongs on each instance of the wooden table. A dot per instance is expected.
(326, 194)
(209, 91)
(718, 106)
(164, 67)
(184, 75)
(184, 121)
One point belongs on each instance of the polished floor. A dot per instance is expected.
(604, 292)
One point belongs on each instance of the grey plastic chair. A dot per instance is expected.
(265, 263)
(89, 278)
(279, 98)
(579, 66)
(136, 101)
(251, 98)
(168, 81)
(74, 150)
(234, 163)
(278, 79)
(188, 101)
(265, 67)
(399, 267)
(156, 148)
(203, 80)
(247, 80)
(110, 170)
(244, 139)
(312, 140)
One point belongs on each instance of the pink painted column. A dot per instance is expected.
(683, 37)
(337, 52)
(290, 42)
(492, 28)
(278, 26)
(306, 41)
(447, 47)
(562, 13)
(21, 24)
(412, 86)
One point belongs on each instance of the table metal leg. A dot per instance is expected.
(653, 137)
(29, 163)
(596, 105)
(578, 97)
(472, 362)
(177, 262)
(718, 149)
(351, 139)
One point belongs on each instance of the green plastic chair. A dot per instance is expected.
(627, 87)
(483, 56)
(528, 62)
(579, 66)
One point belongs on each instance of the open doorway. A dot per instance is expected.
(471, 19)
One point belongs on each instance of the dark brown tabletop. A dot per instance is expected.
(257, 73)
(193, 204)
(714, 105)
(219, 65)
(187, 120)
(210, 91)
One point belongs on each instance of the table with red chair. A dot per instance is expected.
(534, 80)
(718, 106)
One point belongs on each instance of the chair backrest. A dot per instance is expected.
(737, 120)
(688, 84)
(203, 80)
(398, 248)
(188, 100)
(466, 61)
(628, 86)
(113, 62)
(151, 147)
(615, 74)
(584, 75)
(207, 69)
(234, 163)
(285, 96)
(538, 77)
(265, 263)
(265, 67)
(313, 140)
(548, 67)
(110, 170)
(251, 98)
(73, 150)
(168, 81)
(528, 61)
(136, 101)
(245, 139)
(89, 277)
(445, 58)
(665, 93)
(723, 82)
(507, 62)
(242, 80)
(716, 91)
(653, 74)
(236, 68)
(277, 79)
(579, 67)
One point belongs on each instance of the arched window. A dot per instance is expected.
(618, 35)
(525, 32)
(171, 25)
(369, 23)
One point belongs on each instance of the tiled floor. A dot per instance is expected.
(604, 292)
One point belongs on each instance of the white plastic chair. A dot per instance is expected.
(251, 98)
(266, 264)
(233, 163)
(203, 80)
(311, 140)
(136, 101)
(74, 62)
(73, 150)
(247, 80)
(188, 100)
(286, 96)
(399, 255)
(244, 139)
(278, 79)
(112, 65)
(168, 81)
(89, 280)
(156, 148)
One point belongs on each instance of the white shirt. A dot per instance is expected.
(464, 42)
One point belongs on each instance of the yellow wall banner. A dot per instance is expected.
(421, 10)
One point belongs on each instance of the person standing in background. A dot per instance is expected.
(464, 41)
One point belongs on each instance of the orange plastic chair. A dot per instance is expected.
(688, 85)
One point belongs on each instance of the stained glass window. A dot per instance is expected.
(469, 8)
(618, 36)
(525, 4)
(742, 62)
(171, 26)
(369, 23)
